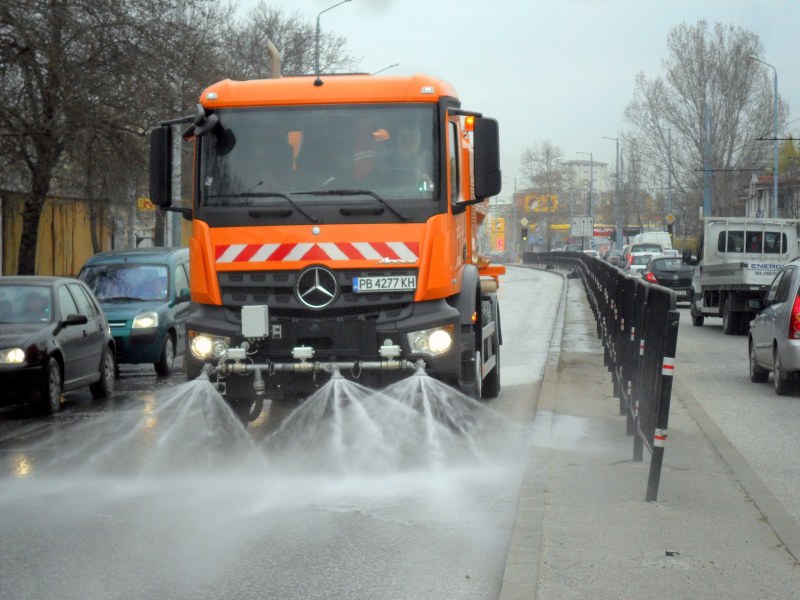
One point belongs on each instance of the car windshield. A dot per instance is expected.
(641, 259)
(321, 164)
(25, 304)
(126, 282)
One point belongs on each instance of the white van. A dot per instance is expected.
(661, 238)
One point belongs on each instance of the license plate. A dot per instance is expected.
(364, 285)
(682, 293)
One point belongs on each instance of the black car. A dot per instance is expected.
(54, 338)
(672, 273)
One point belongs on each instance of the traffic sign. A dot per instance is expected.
(524, 222)
(670, 218)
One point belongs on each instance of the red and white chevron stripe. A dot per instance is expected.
(253, 253)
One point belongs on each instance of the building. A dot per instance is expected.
(579, 177)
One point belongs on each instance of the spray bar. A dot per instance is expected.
(246, 368)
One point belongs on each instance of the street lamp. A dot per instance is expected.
(617, 211)
(773, 209)
(316, 45)
(591, 182)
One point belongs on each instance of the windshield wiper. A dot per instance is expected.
(397, 213)
(306, 214)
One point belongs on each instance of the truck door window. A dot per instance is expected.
(452, 160)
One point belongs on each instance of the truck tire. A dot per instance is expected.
(697, 316)
(470, 382)
(491, 384)
(730, 321)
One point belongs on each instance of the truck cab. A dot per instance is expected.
(335, 227)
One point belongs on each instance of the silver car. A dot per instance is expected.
(774, 340)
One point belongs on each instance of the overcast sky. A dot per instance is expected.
(559, 70)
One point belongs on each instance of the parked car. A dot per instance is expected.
(670, 272)
(774, 336)
(145, 294)
(54, 338)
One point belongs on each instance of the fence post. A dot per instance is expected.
(662, 418)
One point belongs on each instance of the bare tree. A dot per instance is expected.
(544, 173)
(708, 73)
(72, 73)
(294, 38)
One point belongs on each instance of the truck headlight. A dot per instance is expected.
(12, 356)
(433, 342)
(204, 346)
(146, 320)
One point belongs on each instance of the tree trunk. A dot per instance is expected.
(34, 204)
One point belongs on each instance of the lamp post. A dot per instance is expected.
(316, 45)
(773, 209)
(591, 182)
(617, 211)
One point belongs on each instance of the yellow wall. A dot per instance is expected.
(65, 241)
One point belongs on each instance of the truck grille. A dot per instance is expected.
(278, 290)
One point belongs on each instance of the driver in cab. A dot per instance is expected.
(407, 163)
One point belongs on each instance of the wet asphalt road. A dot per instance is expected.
(154, 494)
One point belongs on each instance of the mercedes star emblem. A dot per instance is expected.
(316, 287)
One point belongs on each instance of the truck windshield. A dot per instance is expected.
(329, 164)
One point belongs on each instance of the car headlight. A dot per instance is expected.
(146, 320)
(204, 346)
(433, 342)
(12, 356)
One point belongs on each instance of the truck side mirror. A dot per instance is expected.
(161, 166)
(486, 144)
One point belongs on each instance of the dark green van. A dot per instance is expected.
(144, 293)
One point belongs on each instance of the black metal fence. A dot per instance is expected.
(638, 324)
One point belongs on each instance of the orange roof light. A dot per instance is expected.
(469, 123)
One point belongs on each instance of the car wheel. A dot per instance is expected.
(49, 400)
(167, 359)
(757, 374)
(104, 387)
(783, 387)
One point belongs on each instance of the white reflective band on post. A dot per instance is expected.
(633, 333)
(660, 438)
(668, 368)
(641, 347)
(622, 324)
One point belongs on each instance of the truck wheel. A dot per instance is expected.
(757, 374)
(491, 385)
(729, 320)
(783, 386)
(697, 316)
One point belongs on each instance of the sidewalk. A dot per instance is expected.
(583, 529)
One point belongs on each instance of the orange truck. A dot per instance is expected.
(335, 223)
